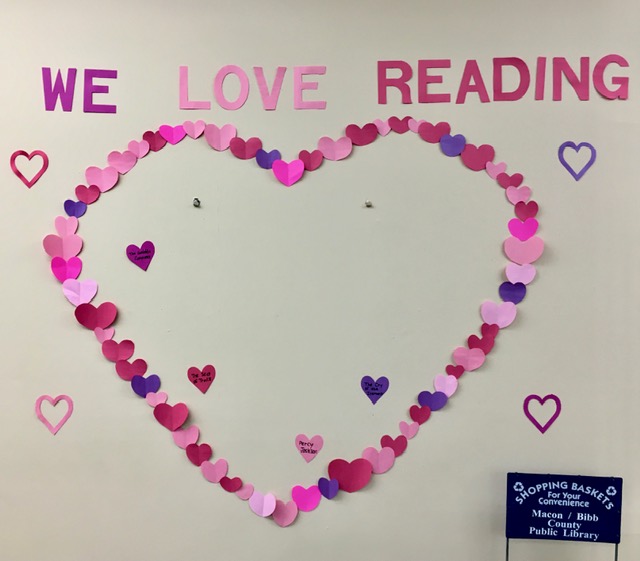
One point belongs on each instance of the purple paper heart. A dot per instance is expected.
(328, 487)
(434, 401)
(452, 145)
(512, 292)
(265, 159)
(374, 389)
(576, 147)
(142, 386)
(141, 256)
(75, 208)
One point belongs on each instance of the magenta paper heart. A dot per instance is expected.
(14, 166)
(141, 256)
(522, 248)
(542, 400)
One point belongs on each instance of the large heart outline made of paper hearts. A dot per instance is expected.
(522, 250)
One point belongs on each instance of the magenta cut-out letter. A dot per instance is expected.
(523, 85)
(58, 90)
(299, 72)
(580, 86)
(472, 82)
(269, 99)
(541, 71)
(90, 88)
(424, 79)
(622, 91)
(400, 82)
(185, 102)
(218, 92)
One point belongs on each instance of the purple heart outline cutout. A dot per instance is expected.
(541, 401)
(576, 147)
(374, 389)
(141, 256)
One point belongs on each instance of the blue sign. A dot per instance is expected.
(564, 507)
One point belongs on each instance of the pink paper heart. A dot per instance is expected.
(335, 149)
(103, 335)
(523, 230)
(285, 513)
(54, 401)
(172, 135)
(140, 149)
(309, 447)
(155, 398)
(523, 252)
(518, 194)
(65, 247)
(415, 125)
(381, 461)
(469, 359)
(66, 226)
(262, 505)
(214, 472)
(64, 269)
(288, 173)
(445, 383)
(409, 430)
(194, 130)
(184, 437)
(14, 167)
(520, 273)
(501, 315)
(307, 498)
(494, 170)
(122, 161)
(79, 292)
(542, 400)
(383, 127)
(103, 179)
(245, 492)
(219, 138)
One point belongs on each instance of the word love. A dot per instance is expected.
(309, 447)
(517, 84)
(268, 94)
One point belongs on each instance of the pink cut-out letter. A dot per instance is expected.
(299, 72)
(541, 68)
(581, 86)
(472, 73)
(525, 79)
(218, 81)
(400, 82)
(90, 88)
(269, 100)
(185, 103)
(59, 90)
(622, 91)
(424, 79)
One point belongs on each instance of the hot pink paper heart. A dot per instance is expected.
(516, 195)
(309, 447)
(445, 383)
(307, 499)
(103, 179)
(139, 148)
(409, 430)
(219, 138)
(54, 401)
(194, 130)
(523, 230)
(382, 461)
(64, 269)
(214, 472)
(122, 161)
(288, 173)
(172, 135)
(202, 379)
(14, 167)
(501, 315)
(79, 292)
(262, 505)
(469, 359)
(335, 149)
(285, 513)
(523, 252)
(141, 256)
(155, 398)
(520, 273)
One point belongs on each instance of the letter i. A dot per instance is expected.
(541, 67)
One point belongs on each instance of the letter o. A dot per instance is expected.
(218, 82)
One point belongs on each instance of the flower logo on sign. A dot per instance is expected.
(518, 487)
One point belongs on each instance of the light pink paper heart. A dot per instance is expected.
(409, 430)
(288, 173)
(494, 170)
(214, 472)
(122, 161)
(335, 149)
(309, 447)
(65, 247)
(79, 292)
(156, 398)
(262, 505)
(103, 179)
(383, 127)
(285, 513)
(518, 194)
(382, 461)
(139, 148)
(219, 138)
(245, 492)
(184, 437)
(66, 226)
(469, 359)
(194, 130)
(171, 134)
(501, 314)
(103, 335)
(520, 273)
(523, 252)
(307, 499)
(415, 125)
(447, 384)
(54, 401)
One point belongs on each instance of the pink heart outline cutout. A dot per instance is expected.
(542, 401)
(14, 167)
(54, 401)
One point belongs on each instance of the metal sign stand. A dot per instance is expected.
(615, 553)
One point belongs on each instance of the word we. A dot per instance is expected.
(472, 81)
(269, 96)
(64, 91)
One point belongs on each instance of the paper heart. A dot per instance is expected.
(219, 138)
(54, 401)
(335, 149)
(288, 173)
(485, 344)
(64, 269)
(500, 314)
(523, 252)
(328, 487)
(141, 256)
(284, 514)
(198, 453)
(512, 292)
(20, 154)
(127, 370)
(361, 136)
(408, 429)
(523, 230)
(262, 505)
(214, 472)
(518, 194)
(245, 150)
(311, 160)
(493, 170)
(143, 386)
(414, 126)
(520, 273)
(91, 317)
(446, 384)
(381, 461)
(171, 417)
(433, 133)
(122, 161)
(172, 135)
(231, 484)
(87, 195)
(399, 125)
(452, 145)
(155, 398)
(383, 127)
(398, 444)
(75, 209)
(103, 335)
(114, 351)
(542, 400)
(577, 175)
(435, 401)
(104, 179)
(309, 447)
(469, 359)
(477, 158)
(505, 180)
(351, 476)
(79, 292)
(155, 140)
(140, 149)
(194, 130)
(374, 389)
(266, 159)
(306, 498)
(202, 379)
(245, 492)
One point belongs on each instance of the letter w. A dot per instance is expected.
(59, 90)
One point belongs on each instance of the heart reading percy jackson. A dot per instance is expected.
(522, 248)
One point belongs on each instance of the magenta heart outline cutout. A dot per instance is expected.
(344, 475)
(54, 401)
(542, 401)
(14, 167)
